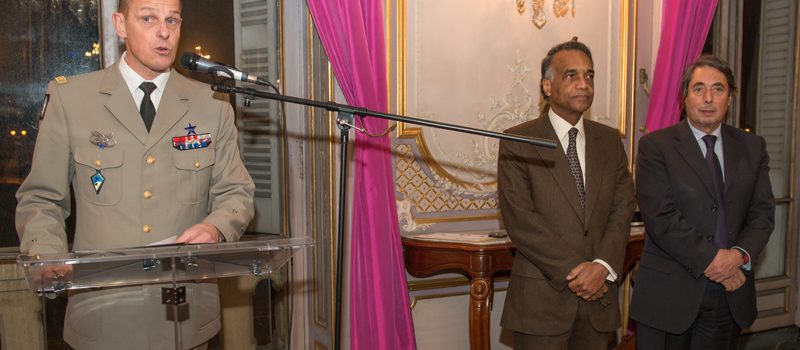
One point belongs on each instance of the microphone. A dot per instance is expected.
(195, 62)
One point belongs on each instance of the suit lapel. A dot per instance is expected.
(595, 153)
(171, 109)
(120, 103)
(560, 169)
(688, 148)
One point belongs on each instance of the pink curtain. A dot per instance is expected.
(684, 26)
(380, 316)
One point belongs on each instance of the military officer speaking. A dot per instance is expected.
(149, 155)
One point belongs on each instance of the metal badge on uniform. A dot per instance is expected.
(101, 140)
(97, 181)
(192, 140)
(44, 106)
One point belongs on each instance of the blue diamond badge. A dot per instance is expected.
(97, 180)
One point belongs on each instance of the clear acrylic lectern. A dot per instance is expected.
(51, 274)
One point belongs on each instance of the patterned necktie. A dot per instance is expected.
(720, 235)
(147, 109)
(575, 165)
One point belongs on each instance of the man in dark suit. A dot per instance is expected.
(570, 227)
(705, 196)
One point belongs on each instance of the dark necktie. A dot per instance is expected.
(575, 165)
(147, 109)
(720, 233)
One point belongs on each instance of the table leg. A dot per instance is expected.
(480, 296)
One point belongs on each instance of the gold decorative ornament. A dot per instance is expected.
(561, 7)
(538, 18)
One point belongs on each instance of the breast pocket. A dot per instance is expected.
(98, 174)
(193, 174)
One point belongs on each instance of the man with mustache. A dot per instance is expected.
(149, 155)
(705, 197)
(570, 226)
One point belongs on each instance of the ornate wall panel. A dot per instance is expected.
(478, 66)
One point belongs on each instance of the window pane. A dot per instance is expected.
(41, 39)
(767, 85)
(772, 262)
(767, 106)
(246, 34)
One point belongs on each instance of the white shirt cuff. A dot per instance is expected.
(612, 276)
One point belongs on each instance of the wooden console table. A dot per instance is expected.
(425, 257)
(480, 262)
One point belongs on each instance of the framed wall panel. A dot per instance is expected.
(479, 66)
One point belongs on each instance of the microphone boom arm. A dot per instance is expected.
(341, 108)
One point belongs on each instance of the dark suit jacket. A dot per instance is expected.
(541, 212)
(676, 199)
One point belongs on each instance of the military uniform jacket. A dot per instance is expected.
(151, 191)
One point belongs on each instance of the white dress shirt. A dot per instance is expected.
(133, 80)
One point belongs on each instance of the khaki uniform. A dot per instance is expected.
(152, 191)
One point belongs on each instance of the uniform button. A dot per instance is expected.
(147, 194)
(98, 162)
(714, 209)
(150, 160)
(147, 229)
(710, 238)
(196, 163)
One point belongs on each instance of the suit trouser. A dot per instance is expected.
(713, 329)
(581, 336)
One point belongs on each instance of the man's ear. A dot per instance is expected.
(119, 24)
(547, 87)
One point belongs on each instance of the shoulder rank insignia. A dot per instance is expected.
(61, 80)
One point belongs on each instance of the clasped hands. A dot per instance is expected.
(724, 269)
(587, 280)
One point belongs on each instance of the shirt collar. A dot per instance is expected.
(133, 79)
(562, 127)
(698, 134)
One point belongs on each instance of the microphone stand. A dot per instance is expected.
(344, 121)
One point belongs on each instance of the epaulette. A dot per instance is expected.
(61, 80)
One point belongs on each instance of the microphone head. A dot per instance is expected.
(189, 60)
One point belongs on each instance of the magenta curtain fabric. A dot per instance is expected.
(352, 34)
(684, 26)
